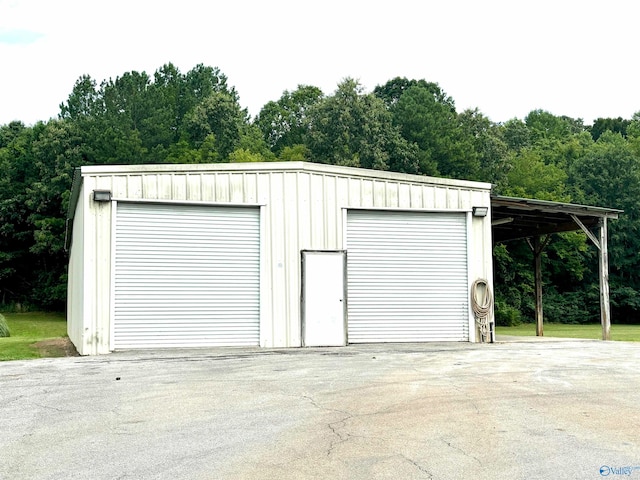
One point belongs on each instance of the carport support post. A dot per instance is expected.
(537, 255)
(537, 247)
(603, 264)
(601, 244)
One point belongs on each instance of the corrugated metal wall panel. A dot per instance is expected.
(76, 278)
(186, 276)
(407, 277)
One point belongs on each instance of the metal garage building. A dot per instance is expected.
(272, 254)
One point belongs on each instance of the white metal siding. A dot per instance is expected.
(407, 277)
(301, 205)
(76, 279)
(186, 276)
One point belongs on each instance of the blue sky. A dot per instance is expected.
(18, 37)
(505, 57)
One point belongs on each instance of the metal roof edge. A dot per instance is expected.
(282, 166)
(76, 184)
(555, 206)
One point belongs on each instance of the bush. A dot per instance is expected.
(569, 307)
(506, 315)
(4, 328)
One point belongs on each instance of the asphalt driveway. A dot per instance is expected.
(513, 410)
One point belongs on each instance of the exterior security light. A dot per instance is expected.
(102, 195)
(480, 211)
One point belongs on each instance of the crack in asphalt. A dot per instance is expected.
(9, 401)
(49, 407)
(418, 466)
(333, 426)
(466, 454)
(341, 438)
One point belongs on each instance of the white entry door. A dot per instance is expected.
(323, 298)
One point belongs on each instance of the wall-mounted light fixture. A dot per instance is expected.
(480, 211)
(102, 195)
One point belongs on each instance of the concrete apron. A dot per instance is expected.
(542, 409)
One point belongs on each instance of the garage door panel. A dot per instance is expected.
(186, 276)
(407, 276)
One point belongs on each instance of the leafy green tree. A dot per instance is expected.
(85, 100)
(18, 169)
(615, 125)
(202, 81)
(543, 125)
(242, 155)
(391, 91)
(57, 150)
(353, 128)
(137, 118)
(108, 117)
(183, 152)
(126, 100)
(513, 283)
(218, 114)
(556, 142)
(434, 127)
(37, 163)
(174, 95)
(296, 153)
(283, 123)
(633, 134)
(609, 175)
(516, 134)
(531, 177)
(633, 129)
(489, 146)
(252, 141)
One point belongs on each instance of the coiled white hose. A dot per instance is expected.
(482, 306)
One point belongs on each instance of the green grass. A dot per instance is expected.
(627, 333)
(27, 329)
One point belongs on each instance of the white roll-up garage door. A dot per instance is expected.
(407, 277)
(186, 276)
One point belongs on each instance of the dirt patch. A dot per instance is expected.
(56, 347)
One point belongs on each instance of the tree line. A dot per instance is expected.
(405, 125)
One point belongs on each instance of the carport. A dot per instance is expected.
(536, 220)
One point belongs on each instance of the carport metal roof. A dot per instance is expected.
(516, 218)
(522, 218)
